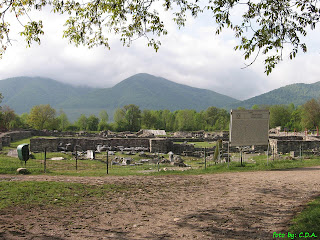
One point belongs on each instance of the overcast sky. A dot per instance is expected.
(194, 56)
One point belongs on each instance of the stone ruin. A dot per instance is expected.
(131, 143)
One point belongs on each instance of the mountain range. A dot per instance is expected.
(145, 90)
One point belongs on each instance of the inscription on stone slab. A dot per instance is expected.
(249, 127)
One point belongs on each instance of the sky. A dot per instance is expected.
(193, 55)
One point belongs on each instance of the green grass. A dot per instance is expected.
(8, 165)
(200, 144)
(32, 193)
(308, 220)
(15, 144)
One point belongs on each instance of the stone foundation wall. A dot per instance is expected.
(5, 141)
(292, 138)
(160, 145)
(286, 146)
(51, 144)
(8, 137)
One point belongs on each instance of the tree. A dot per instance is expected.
(199, 121)
(168, 120)
(266, 27)
(311, 114)
(43, 117)
(82, 122)
(279, 115)
(119, 119)
(92, 123)
(148, 119)
(24, 120)
(8, 116)
(128, 118)
(104, 117)
(223, 120)
(255, 107)
(185, 120)
(132, 117)
(63, 121)
(295, 120)
(16, 123)
(211, 115)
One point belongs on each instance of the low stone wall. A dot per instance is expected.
(51, 144)
(160, 145)
(5, 141)
(8, 137)
(286, 146)
(180, 148)
(291, 138)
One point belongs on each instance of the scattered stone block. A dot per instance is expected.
(57, 158)
(68, 147)
(294, 154)
(90, 154)
(22, 171)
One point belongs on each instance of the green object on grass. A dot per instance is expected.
(23, 152)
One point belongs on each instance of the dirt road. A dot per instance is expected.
(250, 205)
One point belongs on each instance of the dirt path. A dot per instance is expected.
(249, 205)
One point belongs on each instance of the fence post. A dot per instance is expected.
(107, 162)
(76, 158)
(205, 158)
(45, 159)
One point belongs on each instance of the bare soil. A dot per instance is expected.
(248, 205)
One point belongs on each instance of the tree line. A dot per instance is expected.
(127, 118)
(132, 118)
(294, 118)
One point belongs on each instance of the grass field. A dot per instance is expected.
(31, 193)
(98, 167)
(200, 144)
(308, 221)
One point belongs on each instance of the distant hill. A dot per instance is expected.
(297, 94)
(144, 90)
(22, 93)
(148, 92)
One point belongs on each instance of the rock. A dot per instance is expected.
(177, 164)
(145, 160)
(90, 154)
(60, 147)
(102, 148)
(142, 154)
(170, 156)
(164, 161)
(127, 161)
(177, 159)
(68, 147)
(57, 158)
(13, 153)
(22, 171)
